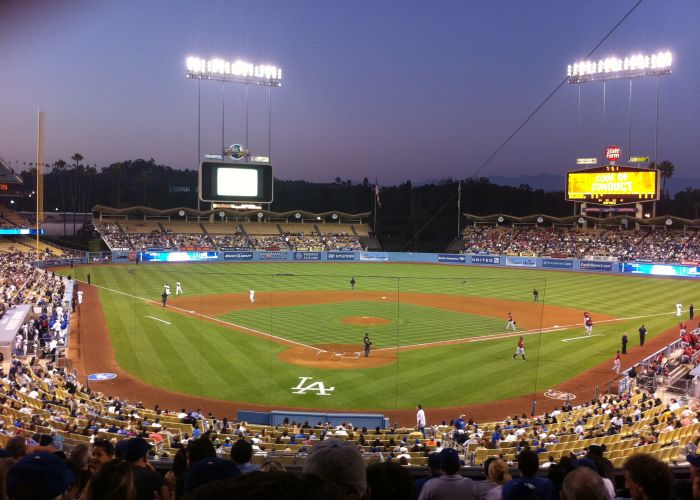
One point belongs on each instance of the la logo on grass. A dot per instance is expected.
(318, 387)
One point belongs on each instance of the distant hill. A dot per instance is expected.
(552, 182)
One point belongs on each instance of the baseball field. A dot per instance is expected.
(438, 332)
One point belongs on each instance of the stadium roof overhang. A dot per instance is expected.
(614, 220)
(291, 215)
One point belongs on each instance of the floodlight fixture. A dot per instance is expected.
(614, 68)
(237, 71)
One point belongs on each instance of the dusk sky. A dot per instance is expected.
(392, 90)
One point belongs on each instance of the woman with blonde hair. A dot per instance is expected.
(498, 473)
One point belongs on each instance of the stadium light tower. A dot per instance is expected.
(237, 71)
(615, 68)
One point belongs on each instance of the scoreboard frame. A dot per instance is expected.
(612, 185)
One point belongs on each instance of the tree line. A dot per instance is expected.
(428, 210)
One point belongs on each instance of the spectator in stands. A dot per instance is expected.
(341, 463)
(39, 476)
(528, 464)
(583, 484)
(390, 481)
(102, 452)
(647, 478)
(450, 484)
(433, 472)
(147, 482)
(113, 481)
(497, 474)
(270, 485)
(209, 469)
(242, 454)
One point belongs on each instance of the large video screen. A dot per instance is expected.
(612, 185)
(235, 182)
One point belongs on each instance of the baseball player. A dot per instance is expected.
(178, 288)
(520, 350)
(679, 309)
(511, 322)
(166, 289)
(616, 363)
(589, 326)
(586, 315)
(251, 296)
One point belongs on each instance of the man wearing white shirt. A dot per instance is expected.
(420, 420)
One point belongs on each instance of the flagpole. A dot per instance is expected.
(374, 226)
(459, 204)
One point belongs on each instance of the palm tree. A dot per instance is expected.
(666, 169)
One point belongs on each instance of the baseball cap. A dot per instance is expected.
(135, 448)
(449, 458)
(339, 462)
(209, 469)
(39, 476)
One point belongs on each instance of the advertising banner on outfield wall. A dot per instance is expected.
(557, 264)
(452, 258)
(374, 256)
(236, 255)
(486, 259)
(307, 255)
(660, 269)
(340, 256)
(595, 265)
(273, 255)
(521, 261)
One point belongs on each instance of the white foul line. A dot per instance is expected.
(158, 319)
(584, 337)
(217, 320)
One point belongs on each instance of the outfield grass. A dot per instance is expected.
(198, 357)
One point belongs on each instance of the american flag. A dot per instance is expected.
(377, 191)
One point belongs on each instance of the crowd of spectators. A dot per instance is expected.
(117, 239)
(656, 245)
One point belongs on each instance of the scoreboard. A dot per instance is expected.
(612, 185)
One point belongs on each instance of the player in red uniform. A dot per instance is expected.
(520, 350)
(616, 363)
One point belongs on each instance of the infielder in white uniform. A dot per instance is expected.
(178, 288)
(166, 289)
(679, 309)
(251, 295)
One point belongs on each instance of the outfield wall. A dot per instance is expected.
(606, 266)
(681, 270)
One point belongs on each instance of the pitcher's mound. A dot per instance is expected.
(365, 320)
(342, 356)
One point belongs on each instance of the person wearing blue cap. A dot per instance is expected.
(38, 476)
(450, 484)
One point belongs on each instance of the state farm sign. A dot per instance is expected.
(613, 153)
